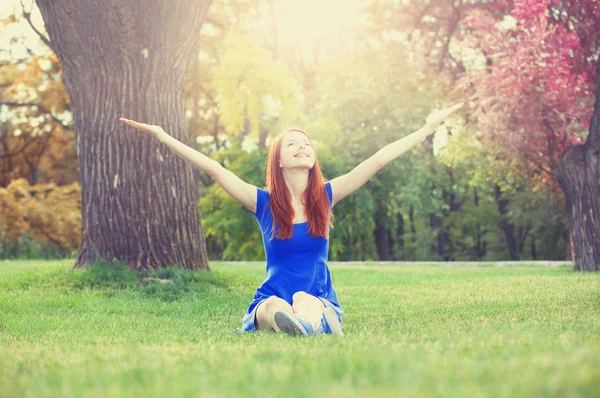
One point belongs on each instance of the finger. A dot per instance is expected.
(457, 106)
(453, 109)
(126, 121)
(133, 123)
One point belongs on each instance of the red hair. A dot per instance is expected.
(314, 198)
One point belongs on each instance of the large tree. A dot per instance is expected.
(579, 175)
(543, 66)
(129, 58)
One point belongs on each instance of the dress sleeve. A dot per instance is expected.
(262, 198)
(329, 193)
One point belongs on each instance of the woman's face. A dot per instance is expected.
(296, 151)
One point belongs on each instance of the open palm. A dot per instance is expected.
(149, 129)
(439, 115)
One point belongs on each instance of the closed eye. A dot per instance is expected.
(295, 142)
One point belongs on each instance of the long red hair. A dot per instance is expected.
(314, 198)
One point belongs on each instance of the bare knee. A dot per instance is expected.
(300, 296)
(309, 306)
(273, 303)
(302, 301)
(266, 310)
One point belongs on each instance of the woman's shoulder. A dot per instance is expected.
(264, 192)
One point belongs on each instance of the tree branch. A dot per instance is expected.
(27, 16)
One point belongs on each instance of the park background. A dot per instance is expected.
(356, 75)
(431, 307)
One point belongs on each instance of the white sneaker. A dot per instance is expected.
(289, 323)
(330, 323)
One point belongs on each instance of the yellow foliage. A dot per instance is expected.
(9, 74)
(252, 87)
(47, 212)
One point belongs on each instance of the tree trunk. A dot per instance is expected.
(129, 58)
(507, 226)
(579, 176)
(413, 228)
(381, 234)
(400, 237)
(522, 237)
(480, 243)
(436, 223)
(382, 242)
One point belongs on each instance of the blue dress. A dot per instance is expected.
(298, 264)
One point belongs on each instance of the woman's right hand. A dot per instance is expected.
(152, 130)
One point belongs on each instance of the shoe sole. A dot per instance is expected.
(333, 321)
(289, 325)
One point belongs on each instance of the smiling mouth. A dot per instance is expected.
(301, 155)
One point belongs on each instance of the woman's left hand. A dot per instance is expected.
(438, 116)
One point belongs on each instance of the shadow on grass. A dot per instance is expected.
(167, 284)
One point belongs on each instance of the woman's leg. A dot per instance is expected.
(308, 306)
(266, 310)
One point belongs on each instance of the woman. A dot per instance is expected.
(294, 214)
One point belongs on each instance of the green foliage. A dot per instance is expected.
(251, 87)
(226, 222)
(477, 218)
(27, 247)
(381, 96)
(352, 235)
(532, 204)
(353, 96)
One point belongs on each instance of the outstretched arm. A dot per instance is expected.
(348, 183)
(239, 190)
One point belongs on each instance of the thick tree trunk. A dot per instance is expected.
(129, 58)
(579, 176)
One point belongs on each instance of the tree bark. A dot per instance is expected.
(480, 243)
(400, 237)
(129, 58)
(382, 234)
(382, 242)
(436, 223)
(507, 227)
(579, 177)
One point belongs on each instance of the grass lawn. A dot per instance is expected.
(426, 330)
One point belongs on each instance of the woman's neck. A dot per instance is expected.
(296, 181)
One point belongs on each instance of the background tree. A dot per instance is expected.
(544, 64)
(485, 187)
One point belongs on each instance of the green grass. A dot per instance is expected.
(426, 330)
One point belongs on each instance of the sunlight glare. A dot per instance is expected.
(304, 23)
